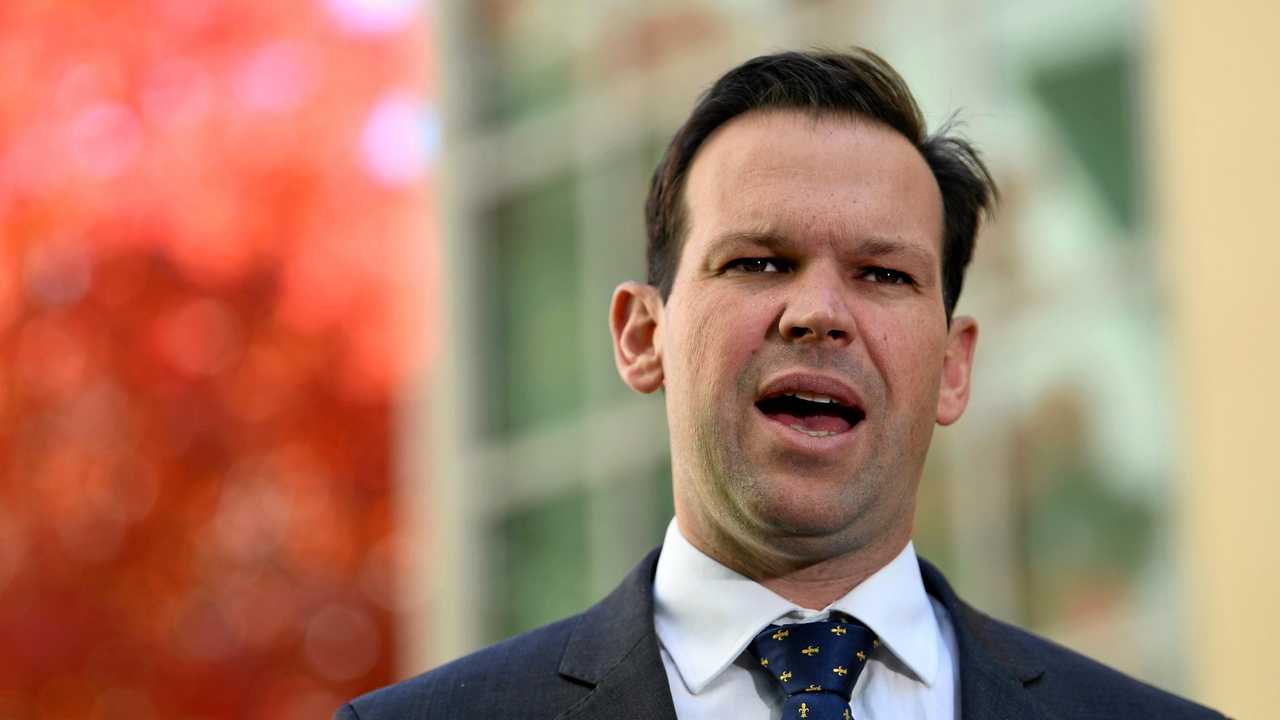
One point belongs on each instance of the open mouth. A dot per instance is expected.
(813, 414)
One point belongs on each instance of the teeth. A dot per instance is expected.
(812, 433)
(811, 397)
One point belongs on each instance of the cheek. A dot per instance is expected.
(908, 352)
(717, 340)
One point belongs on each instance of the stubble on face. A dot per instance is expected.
(760, 506)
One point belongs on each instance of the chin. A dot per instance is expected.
(805, 508)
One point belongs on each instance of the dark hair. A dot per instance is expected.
(858, 82)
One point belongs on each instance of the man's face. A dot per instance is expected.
(804, 347)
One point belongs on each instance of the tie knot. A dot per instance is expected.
(816, 657)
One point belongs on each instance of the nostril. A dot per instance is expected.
(797, 331)
(837, 334)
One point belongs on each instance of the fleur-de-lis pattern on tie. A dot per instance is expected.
(817, 665)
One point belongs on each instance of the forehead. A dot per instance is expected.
(829, 177)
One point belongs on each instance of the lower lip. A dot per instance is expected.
(800, 440)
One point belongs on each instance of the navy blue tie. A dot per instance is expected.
(817, 664)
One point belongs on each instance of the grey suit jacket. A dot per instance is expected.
(604, 663)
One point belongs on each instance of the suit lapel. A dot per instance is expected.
(614, 649)
(994, 671)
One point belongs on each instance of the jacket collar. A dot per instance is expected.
(614, 648)
(994, 669)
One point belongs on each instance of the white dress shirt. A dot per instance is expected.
(705, 615)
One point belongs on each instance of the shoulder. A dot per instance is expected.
(524, 667)
(995, 656)
(540, 674)
(1078, 686)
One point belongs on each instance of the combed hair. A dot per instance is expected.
(858, 83)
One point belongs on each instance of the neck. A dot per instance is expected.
(810, 573)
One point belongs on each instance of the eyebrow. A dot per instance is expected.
(880, 247)
(875, 247)
(772, 241)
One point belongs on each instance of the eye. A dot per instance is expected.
(887, 277)
(757, 265)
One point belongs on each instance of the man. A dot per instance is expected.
(807, 245)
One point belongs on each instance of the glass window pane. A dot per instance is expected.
(536, 363)
(1091, 101)
(542, 565)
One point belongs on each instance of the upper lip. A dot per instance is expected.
(793, 382)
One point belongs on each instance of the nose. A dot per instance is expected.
(816, 310)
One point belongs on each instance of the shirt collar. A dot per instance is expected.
(705, 614)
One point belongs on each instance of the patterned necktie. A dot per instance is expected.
(817, 664)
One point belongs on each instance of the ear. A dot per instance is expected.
(953, 391)
(635, 317)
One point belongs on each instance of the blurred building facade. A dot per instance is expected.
(1056, 503)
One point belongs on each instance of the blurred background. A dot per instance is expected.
(305, 377)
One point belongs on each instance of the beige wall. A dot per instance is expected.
(1217, 197)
